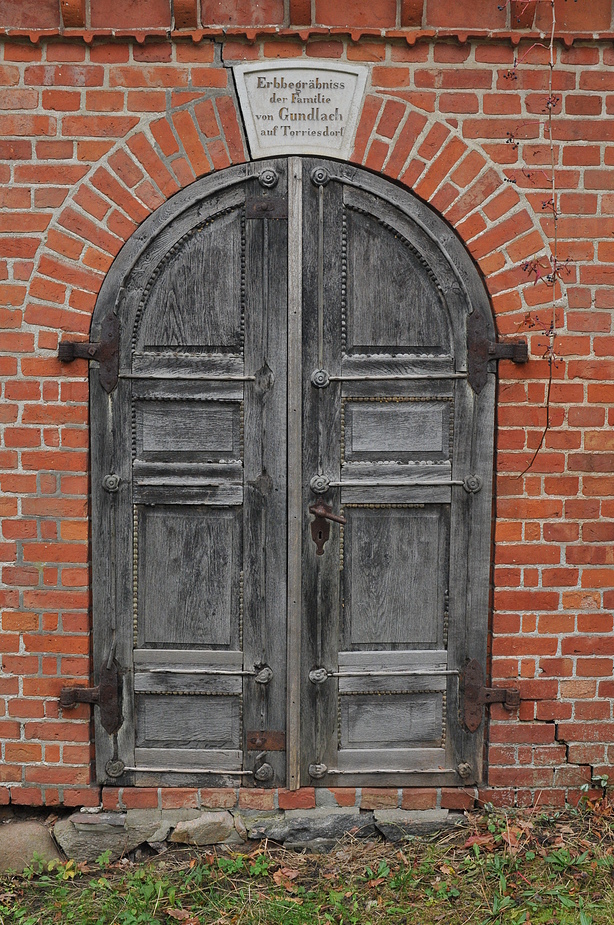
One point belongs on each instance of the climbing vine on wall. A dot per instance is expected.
(547, 269)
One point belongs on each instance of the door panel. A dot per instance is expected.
(396, 430)
(181, 607)
(390, 598)
(190, 303)
(393, 721)
(208, 431)
(205, 724)
(202, 496)
(293, 333)
(383, 689)
(385, 276)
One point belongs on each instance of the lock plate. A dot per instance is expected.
(320, 525)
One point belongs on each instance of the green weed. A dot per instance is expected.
(498, 869)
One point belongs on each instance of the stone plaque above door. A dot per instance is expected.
(296, 107)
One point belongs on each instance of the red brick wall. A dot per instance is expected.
(573, 17)
(97, 132)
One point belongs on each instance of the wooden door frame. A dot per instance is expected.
(465, 293)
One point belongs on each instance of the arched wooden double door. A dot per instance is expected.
(293, 334)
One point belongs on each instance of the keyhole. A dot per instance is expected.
(320, 534)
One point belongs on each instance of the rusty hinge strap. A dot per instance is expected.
(105, 352)
(516, 351)
(481, 349)
(508, 696)
(475, 696)
(106, 696)
(71, 696)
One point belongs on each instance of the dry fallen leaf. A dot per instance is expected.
(482, 841)
(284, 876)
(183, 915)
(376, 882)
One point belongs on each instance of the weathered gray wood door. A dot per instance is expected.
(293, 333)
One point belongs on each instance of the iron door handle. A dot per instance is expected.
(320, 526)
(323, 510)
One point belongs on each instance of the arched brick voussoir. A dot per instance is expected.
(495, 219)
(136, 175)
(201, 134)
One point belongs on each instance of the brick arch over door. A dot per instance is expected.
(492, 216)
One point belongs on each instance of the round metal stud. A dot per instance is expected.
(472, 483)
(268, 178)
(264, 675)
(317, 770)
(320, 176)
(318, 675)
(319, 484)
(115, 767)
(264, 773)
(110, 483)
(320, 378)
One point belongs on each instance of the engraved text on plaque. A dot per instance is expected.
(300, 107)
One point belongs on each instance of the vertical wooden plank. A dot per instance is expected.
(125, 573)
(264, 611)
(295, 480)
(104, 552)
(322, 297)
(112, 558)
(470, 557)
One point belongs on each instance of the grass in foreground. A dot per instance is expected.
(500, 868)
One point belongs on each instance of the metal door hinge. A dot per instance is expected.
(517, 351)
(480, 350)
(475, 696)
(105, 352)
(106, 695)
